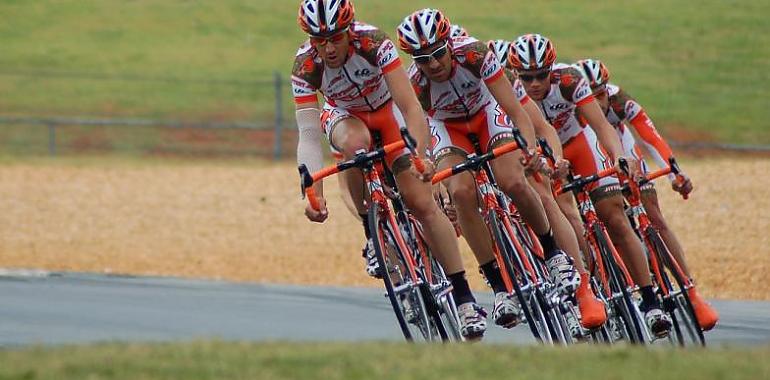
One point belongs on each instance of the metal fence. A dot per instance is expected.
(277, 93)
(274, 90)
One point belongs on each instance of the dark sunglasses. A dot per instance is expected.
(530, 77)
(334, 38)
(423, 59)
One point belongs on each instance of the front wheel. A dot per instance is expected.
(402, 287)
(676, 300)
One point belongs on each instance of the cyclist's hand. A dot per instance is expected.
(439, 194)
(682, 184)
(633, 167)
(561, 169)
(318, 216)
(535, 163)
(429, 171)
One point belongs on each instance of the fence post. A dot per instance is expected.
(278, 147)
(51, 139)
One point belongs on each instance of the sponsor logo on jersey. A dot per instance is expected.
(386, 54)
(559, 106)
(362, 73)
(582, 92)
(490, 66)
(467, 85)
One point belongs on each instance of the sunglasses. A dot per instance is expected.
(530, 77)
(424, 59)
(334, 38)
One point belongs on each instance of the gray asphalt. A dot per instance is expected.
(56, 308)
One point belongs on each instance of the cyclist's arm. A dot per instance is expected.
(609, 139)
(658, 149)
(406, 100)
(500, 88)
(309, 142)
(543, 128)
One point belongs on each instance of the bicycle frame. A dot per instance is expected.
(637, 212)
(528, 288)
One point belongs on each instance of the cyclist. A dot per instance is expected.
(622, 110)
(356, 68)
(462, 88)
(592, 311)
(561, 93)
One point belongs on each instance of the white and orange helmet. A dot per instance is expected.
(595, 72)
(501, 48)
(531, 52)
(325, 17)
(422, 29)
(457, 31)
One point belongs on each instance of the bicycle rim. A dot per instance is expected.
(505, 247)
(400, 288)
(682, 310)
(426, 263)
(625, 308)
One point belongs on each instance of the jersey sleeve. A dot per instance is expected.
(421, 87)
(387, 57)
(633, 112)
(480, 60)
(519, 91)
(574, 87)
(305, 76)
(375, 46)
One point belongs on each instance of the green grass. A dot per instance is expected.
(217, 360)
(697, 66)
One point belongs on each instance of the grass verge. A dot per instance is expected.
(219, 360)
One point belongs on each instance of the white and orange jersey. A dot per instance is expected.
(569, 90)
(520, 92)
(623, 108)
(359, 84)
(465, 93)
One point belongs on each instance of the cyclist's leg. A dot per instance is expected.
(510, 177)
(452, 148)
(592, 311)
(707, 316)
(650, 203)
(348, 134)
(568, 207)
(562, 230)
(495, 130)
(441, 238)
(587, 157)
(347, 199)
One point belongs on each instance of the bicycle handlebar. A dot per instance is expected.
(474, 162)
(673, 167)
(361, 159)
(578, 184)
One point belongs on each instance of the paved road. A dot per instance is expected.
(51, 308)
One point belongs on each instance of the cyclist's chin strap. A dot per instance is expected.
(309, 150)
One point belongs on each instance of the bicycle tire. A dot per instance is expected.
(390, 266)
(625, 307)
(415, 240)
(531, 308)
(441, 292)
(681, 301)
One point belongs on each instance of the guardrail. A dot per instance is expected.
(52, 122)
